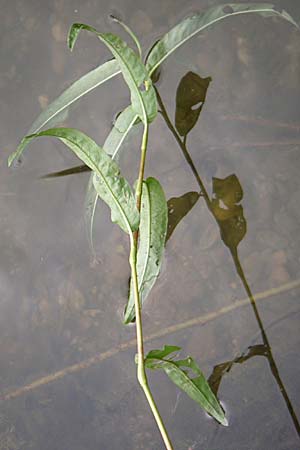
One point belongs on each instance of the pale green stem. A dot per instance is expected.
(141, 373)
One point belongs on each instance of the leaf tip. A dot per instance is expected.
(10, 159)
(225, 422)
(114, 18)
(72, 35)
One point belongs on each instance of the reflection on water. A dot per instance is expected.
(61, 333)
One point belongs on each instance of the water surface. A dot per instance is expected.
(60, 313)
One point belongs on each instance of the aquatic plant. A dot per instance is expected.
(142, 212)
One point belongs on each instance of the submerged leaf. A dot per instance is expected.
(178, 208)
(71, 171)
(228, 189)
(220, 370)
(192, 25)
(228, 214)
(152, 236)
(143, 97)
(190, 97)
(83, 86)
(187, 375)
(108, 182)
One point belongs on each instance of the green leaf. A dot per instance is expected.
(83, 86)
(152, 236)
(130, 32)
(187, 375)
(143, 97)
(192, 25)
(118, 134)
(178, 208)
(160, 354)
(108, 182)
(190, 98)
(90, 205)
(112, 145)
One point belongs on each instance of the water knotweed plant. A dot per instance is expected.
(142, 212)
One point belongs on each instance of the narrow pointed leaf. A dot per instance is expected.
(143, 97)
(112, 146)
(187, 375)
(166, 351)
(130, 32)
(152, 233)
(108, 182)
(120, 131)
(83, 86)
(192, 25)
(90, 205)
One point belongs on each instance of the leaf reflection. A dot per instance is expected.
(220, 370)
(70, 171)
(229, 215)
(190, 98)
(178, 208)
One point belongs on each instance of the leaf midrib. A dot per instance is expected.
(203, 28)
(36, 130)
(149, 237)
(101, 37)
(96, 169)
(190, 381)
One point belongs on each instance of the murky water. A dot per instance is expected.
(60, 315)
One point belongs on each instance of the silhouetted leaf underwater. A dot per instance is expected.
(71, 171)
(221, 369)
(229, 215)
(190, 97)
(186, 374)
(178, 208)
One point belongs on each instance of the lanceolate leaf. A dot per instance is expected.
(112, 145)
(130, 32)
(152, 233)
(143, 98)
(192, 25)
(119, 132)
(187, 375)
(83, 86)
(108, 182)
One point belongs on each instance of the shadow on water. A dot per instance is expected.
(226, 210)
(225, 206)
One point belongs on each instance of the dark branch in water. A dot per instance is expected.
(235, 257)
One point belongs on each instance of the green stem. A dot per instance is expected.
(141, 372)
